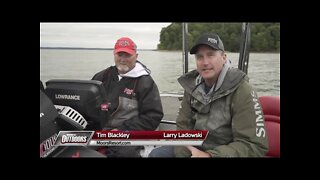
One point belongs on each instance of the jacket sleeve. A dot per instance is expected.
(250, 137)
(184, 119)
(98, 76)
(184, 122)
(150, 107)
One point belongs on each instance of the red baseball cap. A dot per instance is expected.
(125, 44)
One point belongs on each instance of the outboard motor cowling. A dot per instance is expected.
(88, 97)
(48, 114)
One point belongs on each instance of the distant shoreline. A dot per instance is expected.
(83, 48)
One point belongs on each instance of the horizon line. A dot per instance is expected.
(88, 48)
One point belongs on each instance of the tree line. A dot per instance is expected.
(265, 37)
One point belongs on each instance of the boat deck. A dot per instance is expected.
(170, 105)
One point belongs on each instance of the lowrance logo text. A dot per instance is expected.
(67, 96)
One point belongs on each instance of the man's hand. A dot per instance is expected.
(197, 153)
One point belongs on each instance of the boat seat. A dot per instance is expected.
(271, 109)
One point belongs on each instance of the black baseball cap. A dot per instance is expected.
(212, 40)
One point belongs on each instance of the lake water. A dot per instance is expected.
(165, 66)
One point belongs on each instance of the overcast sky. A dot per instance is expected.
(99, 35)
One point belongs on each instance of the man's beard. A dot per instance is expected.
(122, 68)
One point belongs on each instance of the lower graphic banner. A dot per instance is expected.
(131, 138)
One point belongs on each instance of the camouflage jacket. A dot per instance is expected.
(231, 113)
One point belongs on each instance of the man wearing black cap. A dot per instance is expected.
(219, 99)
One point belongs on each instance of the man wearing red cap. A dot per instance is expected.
(133, 97)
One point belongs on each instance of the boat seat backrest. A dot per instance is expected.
(271, 109)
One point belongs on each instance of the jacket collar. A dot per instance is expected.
(228, 78)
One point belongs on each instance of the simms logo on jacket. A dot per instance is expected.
(260, 130)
